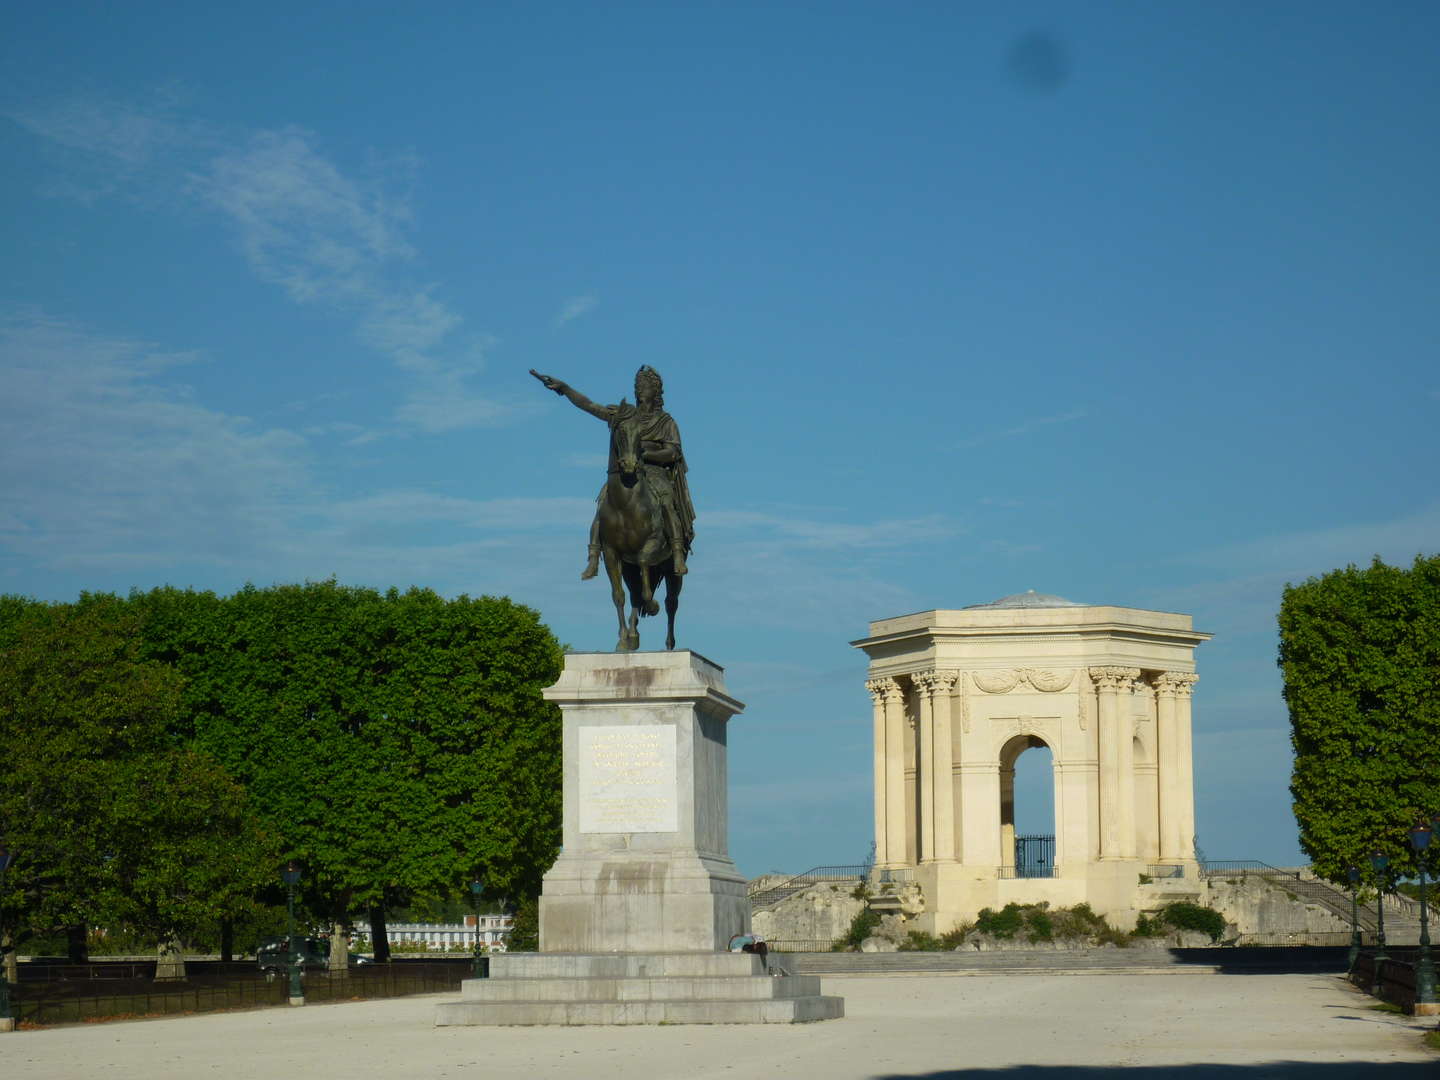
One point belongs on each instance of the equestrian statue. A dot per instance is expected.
(644, 520)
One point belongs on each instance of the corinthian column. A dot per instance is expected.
(1117, 782)
(1167, 737)
(937, 775)
(889, 772)
(878, 689)
(1185, 768)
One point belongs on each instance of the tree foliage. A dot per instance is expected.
(1360, 652)
(397, 742)
(166, 752)
(109, 819)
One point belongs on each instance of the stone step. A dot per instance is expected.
(665, 988)
(1079, 961)
(624, 965)
(779, 1011)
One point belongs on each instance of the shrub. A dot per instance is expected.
(1038, 924)
(953, 939)
(1186, 916)
(1003, 924)
(525, 931)
(1181, 915)
(919, 941)
(861, 927)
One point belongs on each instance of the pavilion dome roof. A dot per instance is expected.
(1030, 599)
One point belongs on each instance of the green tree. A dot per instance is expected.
(396, 742)
(110, 820)
(1360, 652)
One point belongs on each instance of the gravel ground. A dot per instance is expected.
(1190, 1026)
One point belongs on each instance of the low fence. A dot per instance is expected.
(1396, 977)
(789, 945)
(114, 996)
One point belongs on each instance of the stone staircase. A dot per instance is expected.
(1402, 915)
(636, 988)
(770, 895)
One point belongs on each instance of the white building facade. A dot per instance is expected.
(959, 695)
(453, 937)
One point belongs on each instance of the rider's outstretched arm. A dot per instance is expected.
(579, 400)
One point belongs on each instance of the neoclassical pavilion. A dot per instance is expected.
(960, 695)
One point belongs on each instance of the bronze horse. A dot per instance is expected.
(632, 537)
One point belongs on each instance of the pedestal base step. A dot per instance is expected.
(676, 988)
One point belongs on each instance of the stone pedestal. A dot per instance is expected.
(645, 865)
(637, 913)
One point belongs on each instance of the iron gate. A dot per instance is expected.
(1034, 856)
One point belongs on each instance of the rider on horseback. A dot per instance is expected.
(664, 461)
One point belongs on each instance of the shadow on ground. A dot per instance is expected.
(1273, 1070)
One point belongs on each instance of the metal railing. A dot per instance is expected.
(762, 897)
(1019, 872)
(1161, 873)
(794, 945)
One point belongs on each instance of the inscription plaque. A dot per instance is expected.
(628, 781)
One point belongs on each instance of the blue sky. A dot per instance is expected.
(1128, 302)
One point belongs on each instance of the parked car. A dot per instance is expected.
(273, 955)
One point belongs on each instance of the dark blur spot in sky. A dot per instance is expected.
(1038, 62)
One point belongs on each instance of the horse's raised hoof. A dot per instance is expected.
(652, 608)
(588, 573)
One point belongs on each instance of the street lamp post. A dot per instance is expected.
(7, 1020)
(1354, 875)
(292, 878)
(476, 888)
(1379, 861)
(1424, 968)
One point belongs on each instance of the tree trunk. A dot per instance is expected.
(76, 945)
(227, 940)
(170, 959)
(12, 961)
(379, 936)
(339, 949)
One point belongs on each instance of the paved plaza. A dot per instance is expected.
(1076, 1027)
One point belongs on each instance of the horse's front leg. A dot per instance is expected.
(672, 604)
(647, 592)
(617, 593)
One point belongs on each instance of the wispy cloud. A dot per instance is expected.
(1302, 554)
(109, 144)
(101, 466)
(575, 307)
(324, 234)
(113, 474)
(835, 534)
(412, 508)
(587, 461)
(302, 224)
(1034, 424)
(1246, 580)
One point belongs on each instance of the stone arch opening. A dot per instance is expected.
(1028, 820)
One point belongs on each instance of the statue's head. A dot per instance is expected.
(648, 384)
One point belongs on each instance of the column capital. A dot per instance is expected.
(1176, 683)
(1114, 678)
(886, 689)
(934, 682)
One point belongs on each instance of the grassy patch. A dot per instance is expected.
(1432, 1039)
(1386, 1007)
